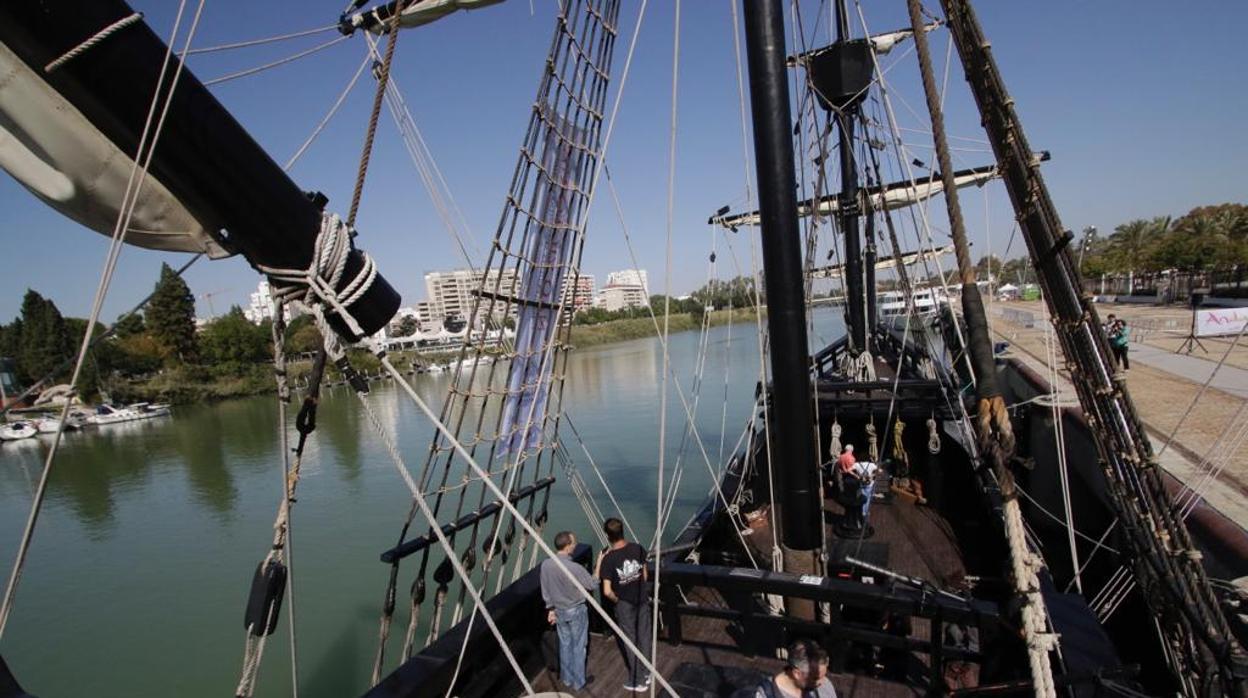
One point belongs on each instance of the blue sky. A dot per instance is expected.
(1141, 105)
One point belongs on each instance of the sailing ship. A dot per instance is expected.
(783, 548)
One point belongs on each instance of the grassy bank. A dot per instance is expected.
(189, 384)
(638, 328)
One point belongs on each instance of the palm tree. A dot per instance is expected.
(1131, 244)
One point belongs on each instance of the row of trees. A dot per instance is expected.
(164, 336)
(1208, 237)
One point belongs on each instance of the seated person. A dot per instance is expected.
(804, 676)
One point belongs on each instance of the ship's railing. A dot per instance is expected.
(761, 632)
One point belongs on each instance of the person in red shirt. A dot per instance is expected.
(846, 460)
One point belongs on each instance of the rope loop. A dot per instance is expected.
(933, 437)
(317, 285)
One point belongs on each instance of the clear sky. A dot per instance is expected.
(1141, 104)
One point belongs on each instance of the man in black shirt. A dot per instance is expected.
(622, 569)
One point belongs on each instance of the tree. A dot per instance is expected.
(130, 325)
(988, 267)
(406, 326)
(232, 338)
(302, 336)
(171, 317)
(1018, 271)
(44, 341)
(1132, 245)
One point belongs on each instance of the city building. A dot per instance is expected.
(261, 306)
(578, 292)
(627, 288)
(451, 293)
(629, 277)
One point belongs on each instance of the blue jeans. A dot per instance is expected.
(573, 626)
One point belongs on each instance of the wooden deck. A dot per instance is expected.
(908, 539)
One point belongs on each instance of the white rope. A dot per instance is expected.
(419, 498)
(258, 42)
(1059, 436)
(505, 502)
(316, 285)
(680, 393)
(274, 64)
(777, 562)
(342, 97)
(97, 38)
(134, 186)
(667, 302)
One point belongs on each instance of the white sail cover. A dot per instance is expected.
(908, 258)
(50, 148)
(892, 197)
(423, 12)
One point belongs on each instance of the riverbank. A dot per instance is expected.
(192, 384)
(1164, 395)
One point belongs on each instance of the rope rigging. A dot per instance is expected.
(509, 417)
(148, 139)
(1164, 559)
(993, 426)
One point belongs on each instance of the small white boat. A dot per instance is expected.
(16, 431)
(51, 425)
(77, 419)
(109, 414)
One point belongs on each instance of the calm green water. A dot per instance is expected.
(151, 531)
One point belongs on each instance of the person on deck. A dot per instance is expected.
(1120, 341)
(804, 676)
(565, 609)
(622, 569)
(865, 472)
(846, 460)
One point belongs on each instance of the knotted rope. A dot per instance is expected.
(933, 437)
(873, 445)
(316, 286)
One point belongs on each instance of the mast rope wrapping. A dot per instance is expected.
(317, 285)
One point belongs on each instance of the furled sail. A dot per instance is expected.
(54, 151)
(834, 271)
(416, 13)
(890, 196)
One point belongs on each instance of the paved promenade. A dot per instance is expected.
(1164, 385)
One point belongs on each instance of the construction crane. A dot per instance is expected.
(212, 313)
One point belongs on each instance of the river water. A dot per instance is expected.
(150, 532)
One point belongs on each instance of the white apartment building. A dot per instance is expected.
(451, 293)
(629, 277)
(261, 306)
(613, 298)
(627, 288)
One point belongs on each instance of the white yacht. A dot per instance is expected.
(16, 431)
(927, 301)
(109, 414)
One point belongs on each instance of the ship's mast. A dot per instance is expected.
(794, 460)
(848, 210)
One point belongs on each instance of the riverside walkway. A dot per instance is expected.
(1164, 385)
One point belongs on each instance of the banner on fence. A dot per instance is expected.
(1220, 321)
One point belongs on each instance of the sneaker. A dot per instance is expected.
(639, 688)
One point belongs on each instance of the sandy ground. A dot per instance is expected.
(1162, 397)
